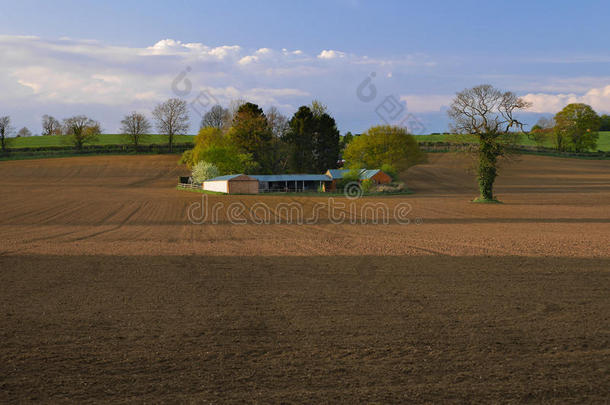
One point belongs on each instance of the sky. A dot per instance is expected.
(370, 62)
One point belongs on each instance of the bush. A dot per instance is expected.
(367, 185)
(390, 171)
(203, 171)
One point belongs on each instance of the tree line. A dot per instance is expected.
(245, 139)
(170, 118)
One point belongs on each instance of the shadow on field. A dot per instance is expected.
(307, 329)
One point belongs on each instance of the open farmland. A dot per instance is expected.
(108, 292)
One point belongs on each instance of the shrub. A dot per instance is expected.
(203, 171)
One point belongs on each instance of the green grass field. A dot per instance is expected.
(603, 142)
(105, 139)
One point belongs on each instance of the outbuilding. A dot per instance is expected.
(232, 184)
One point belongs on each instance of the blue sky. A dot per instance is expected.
(107, 58)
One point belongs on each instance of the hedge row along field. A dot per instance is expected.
(117, 139)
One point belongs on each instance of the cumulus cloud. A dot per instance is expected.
(87, 76)
(331, 54)
(598, 98)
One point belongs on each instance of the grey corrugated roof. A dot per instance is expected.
(367, 174)
(337, 173)
(226, 177)
(291, 177)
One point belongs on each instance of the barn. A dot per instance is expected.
(232, 184)
(374, 175)
(292, 182)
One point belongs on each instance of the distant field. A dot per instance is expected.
(603, 143)
(117, 139)
(105, 139)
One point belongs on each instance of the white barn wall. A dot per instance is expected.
(221, 186)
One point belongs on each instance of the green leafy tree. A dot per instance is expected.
(212, 146)
(384, 145)
(577, 128)
(81, 129)
(251, 134)
(345, 140)
(487, 113)
(203, 171)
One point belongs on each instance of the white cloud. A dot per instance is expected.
(331, 54)
(598, 98)
(85, 76)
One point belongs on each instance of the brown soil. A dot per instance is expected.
(109, 293)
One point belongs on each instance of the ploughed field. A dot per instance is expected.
(115, 286)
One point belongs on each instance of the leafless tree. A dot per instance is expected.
(5, 131)
(217, 117)
(489, 114)
(81, 129)
(278, 123)
(24, 132)
(136, 127)
(50, 126)
(172, 118)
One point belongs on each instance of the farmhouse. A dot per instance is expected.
(232, 184)
(263, 183)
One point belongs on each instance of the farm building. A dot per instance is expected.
(292, 182)
(375, 175)
(264, 183)
(232, 184)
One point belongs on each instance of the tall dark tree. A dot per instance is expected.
(300, 140)
(489, 114)
(314, 141)
(251, 134)
(5, 131)
(326, 143)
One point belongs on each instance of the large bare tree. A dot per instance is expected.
(5, 131)
(136, 127)
(81, 130)
(50, 126)
(172, 118)
(218, 117)
(489, 114)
